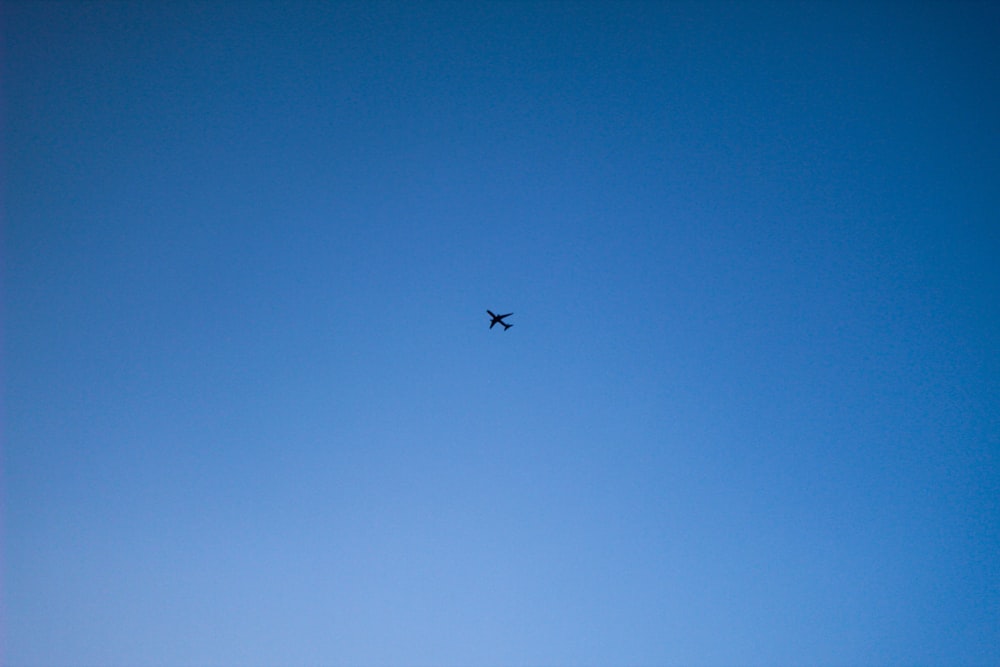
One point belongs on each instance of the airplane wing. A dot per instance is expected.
(490, 313)
(507, 315)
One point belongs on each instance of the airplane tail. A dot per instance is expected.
(506, 326)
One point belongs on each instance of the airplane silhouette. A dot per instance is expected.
(499, 319)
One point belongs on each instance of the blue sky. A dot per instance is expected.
(747, 413)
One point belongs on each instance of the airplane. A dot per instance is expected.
(499, 319)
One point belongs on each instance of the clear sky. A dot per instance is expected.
(748, 412)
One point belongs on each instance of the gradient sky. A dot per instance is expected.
(748, 413)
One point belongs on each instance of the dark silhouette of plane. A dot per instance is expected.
(499, 319)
